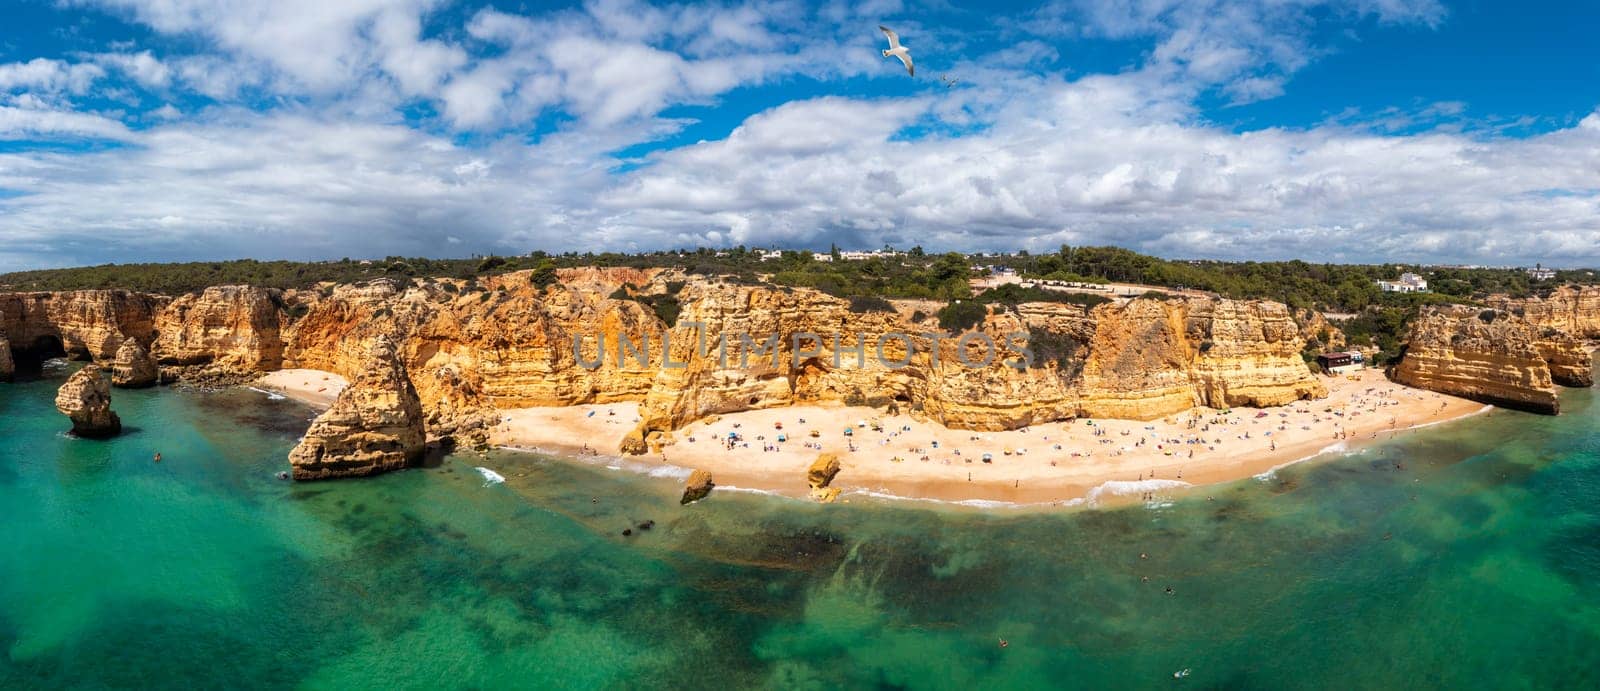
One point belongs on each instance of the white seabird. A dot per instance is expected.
(897, 50)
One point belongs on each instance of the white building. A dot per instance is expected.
(1408, 283)
(1539, 273)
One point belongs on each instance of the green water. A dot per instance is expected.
(1475, 564)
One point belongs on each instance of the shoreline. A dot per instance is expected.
(1054, 464)
(1080, 462)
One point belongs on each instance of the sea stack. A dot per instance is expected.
(134, 367)
(86, 400)
(820, 474)
(7, 366)
(698, 486)
(375, 426)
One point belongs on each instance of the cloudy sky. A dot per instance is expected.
(1356, 130)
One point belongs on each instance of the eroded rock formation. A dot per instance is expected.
(84, 324)
(86, 400)
(697, 487)
(821, 474)
(223, 328)
(1486, 355)
(1141, 359)
(375, 426)
(8, 367)
(133, 367)
(1571, 309)
(473, 347)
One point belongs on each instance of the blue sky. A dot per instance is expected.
(1346, 130)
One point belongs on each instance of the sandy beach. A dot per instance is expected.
(1070, 462)
(314, 387)
(1074, 461)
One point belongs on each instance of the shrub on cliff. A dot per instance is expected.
(961, 315)
(862, 304)
(544, 275)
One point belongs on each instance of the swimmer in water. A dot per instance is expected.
(158, 456)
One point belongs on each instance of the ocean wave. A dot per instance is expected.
(490, 477)
(752, 490)
(1341, 446)
(1474, 413)
(1124, 488)
(657, 470)
(971, 503)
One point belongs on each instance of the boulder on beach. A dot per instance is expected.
(86, 400)
(698, 486)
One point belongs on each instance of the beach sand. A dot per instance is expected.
(1094, 461)
(314, 387)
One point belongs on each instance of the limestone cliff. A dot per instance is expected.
(1486, 355)
(375, 426)
(471, 347)
(84, 324)
(86, 400)
(1571, 309)
(1571, 361)
(1141, 359)
(8, 368)
(224, 328)
(133, 367)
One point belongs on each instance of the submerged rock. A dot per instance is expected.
(86, 400)
(375, 426)
(134, 367)
(698, 486)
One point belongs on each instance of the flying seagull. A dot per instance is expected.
(897, 50)
(948, 80)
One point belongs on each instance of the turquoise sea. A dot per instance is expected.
(1461, 556)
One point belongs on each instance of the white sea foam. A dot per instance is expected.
(490, 477)
(271, 395)
(973, 503)
(1336, 447)
(749, 490)
(1124, 488)
(659, 470)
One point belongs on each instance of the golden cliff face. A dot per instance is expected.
(500, 343)
(1571, 361)
(375, 426)
(7, 366)
(470, 347)
(226, 328)
(1483, 354)
(1574, 310)
(1143, 359)
(86, 324)
(86, 400)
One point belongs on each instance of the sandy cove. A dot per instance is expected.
(313, 387)
(1068, 462)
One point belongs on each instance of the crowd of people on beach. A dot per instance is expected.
(1200, 439)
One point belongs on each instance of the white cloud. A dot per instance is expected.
(1018, 154)
(26, 122)
(48, 76)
